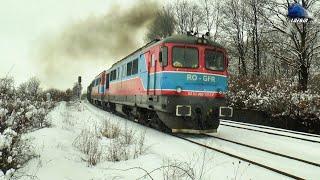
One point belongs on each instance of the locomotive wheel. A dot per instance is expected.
(158, 124)
(142, 117)
(199, 119)
(151, 119)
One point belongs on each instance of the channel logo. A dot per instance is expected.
(298, 14)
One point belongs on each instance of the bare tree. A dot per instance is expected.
(255, 5)
(30, 89)
(212, 13)
(301, 40)
(188, 16)
(33, 86)
(237, 29)
(194, 17)
(181, 15)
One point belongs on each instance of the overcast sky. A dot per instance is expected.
(23, 25)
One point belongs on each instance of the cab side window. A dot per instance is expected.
(113, 75)
(135, 66)
(107, 81)
(129, 69)
(163, 56)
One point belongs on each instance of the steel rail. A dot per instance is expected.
(256, 130)
(270, 128)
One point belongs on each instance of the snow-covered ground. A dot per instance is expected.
(60, 159)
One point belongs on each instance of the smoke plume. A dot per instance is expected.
(94, 42)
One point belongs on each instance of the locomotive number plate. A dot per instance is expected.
(182, 110)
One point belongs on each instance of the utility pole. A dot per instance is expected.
(79, 88)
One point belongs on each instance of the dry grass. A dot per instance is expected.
(126, 146)
(110, 131)
(140, 147)
(88, 143)
(173, 169)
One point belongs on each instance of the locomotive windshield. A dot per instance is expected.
(185, 57)
(214, 60)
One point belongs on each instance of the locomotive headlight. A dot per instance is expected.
(205, 41)
(179, 89)
(199, 41)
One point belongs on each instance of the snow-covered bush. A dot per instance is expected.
(98, 144)
(21, 111)
(278, 97)
(14, 152)
(314, 85)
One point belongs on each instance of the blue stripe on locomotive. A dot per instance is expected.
(190, 81)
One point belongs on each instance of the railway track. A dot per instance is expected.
(236, 125)
(290, 175)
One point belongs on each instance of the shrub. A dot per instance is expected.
(21, 111)
(277, 97)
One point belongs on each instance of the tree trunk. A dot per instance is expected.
(255, 41)
(244, 67)
(303, 78)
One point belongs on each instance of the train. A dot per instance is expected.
(175, 84)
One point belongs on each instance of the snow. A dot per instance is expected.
(60, 159)
(3, 112)
(8, 174)
(9, 132)
(29, 114)
(2, 176)
(6, 138)
(9, 160)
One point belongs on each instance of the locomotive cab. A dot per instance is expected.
(193, 83)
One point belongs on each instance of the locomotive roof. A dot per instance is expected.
(186, 39)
